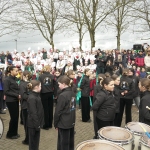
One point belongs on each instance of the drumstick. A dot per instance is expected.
(148, 107)
(145, 130)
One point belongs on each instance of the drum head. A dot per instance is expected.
(97, 145)
(136, 128)
(145, 140)
(115, 134)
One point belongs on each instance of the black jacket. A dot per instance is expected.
(11, 89)
(85, 86)
(144, 113)
(126, 84)
(105, 106)
(35, 111)
(24, 92)
(64, 116)
(116, 93)
(97, 89)
(135, 80)
(48, 83)
(109, 69)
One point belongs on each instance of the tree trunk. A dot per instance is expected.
(118, 40)
(80, 39)
(51, 41)
(92, 37)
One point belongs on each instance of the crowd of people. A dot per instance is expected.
(106, 82)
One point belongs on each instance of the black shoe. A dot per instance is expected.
(21, 122)
(12, 137)
(25, 142)
(45, 128)
(94, 137)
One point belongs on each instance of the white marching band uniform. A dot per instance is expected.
(66, 58)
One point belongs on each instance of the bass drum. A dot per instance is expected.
(98, 145)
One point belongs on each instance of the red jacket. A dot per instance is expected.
(140, 61)
(92, 84)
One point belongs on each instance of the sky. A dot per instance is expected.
(35, 41)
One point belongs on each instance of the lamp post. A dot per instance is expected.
(16, 43)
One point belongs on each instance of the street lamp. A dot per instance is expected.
(16, 43)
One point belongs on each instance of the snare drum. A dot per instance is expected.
(98, 145)
(144, 143)
(117, 135)
(136, 129)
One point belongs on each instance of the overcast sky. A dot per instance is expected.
(62, 41)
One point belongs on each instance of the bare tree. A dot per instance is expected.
(95, 12)
(74, 18)
(42, 16)
(121, 18)
(6, 9)
(142, 15)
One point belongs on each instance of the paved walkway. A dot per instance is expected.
(48, 138)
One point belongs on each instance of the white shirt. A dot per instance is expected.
(60, 64)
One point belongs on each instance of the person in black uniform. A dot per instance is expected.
(105, 104)
(56, 77)
(136, 94)
(97, 89)
(11, 91)
(35, 114)
(48, 90)
(24, 92)
(144, 111)
(126, 97)
(64, 117)
(116, 93)
(85, 93)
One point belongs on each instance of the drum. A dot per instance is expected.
(98, 145)
(136, 129)
(117, 135)
(144, 143)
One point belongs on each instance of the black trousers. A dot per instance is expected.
(65, 139)
(101, 123)
(34, 139)
(21, 117)
(47, 101)
(85, 108)
(95, 123)
(127, 104)
(25, 118)
(13, 108)
(116, 122)
(1, 100)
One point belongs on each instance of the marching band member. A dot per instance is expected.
(92, 64)
(69, 66)
(61, 62)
